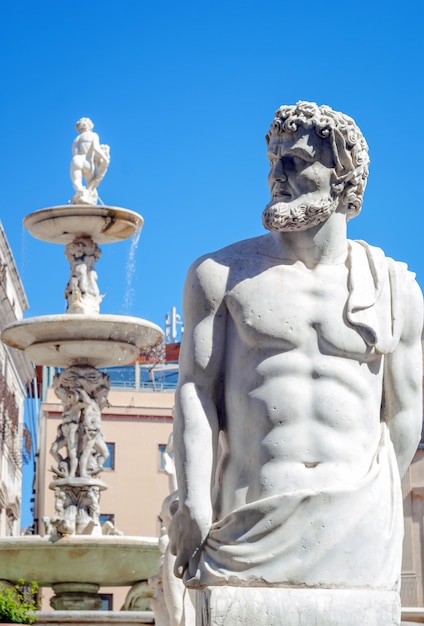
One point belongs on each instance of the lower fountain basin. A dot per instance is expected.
(72, 339)
(107, 561)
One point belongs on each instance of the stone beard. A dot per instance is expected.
(281, 216)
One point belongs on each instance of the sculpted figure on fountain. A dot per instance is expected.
(67, 431)
(82, 292)
(90, 161)
(94, 451)
(83, 392)
(299, 403)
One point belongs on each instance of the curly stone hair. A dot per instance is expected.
(350, 150)
(84, 124)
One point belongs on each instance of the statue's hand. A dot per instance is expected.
(187, 533)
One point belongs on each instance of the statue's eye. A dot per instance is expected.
(298, 162)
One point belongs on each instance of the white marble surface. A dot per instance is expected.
(172, 602)
(299, 403)
(97, 340)
(89, 164)
(107, 561)
(82, 292)
(94, 618)
(62, 224)
(223, 606)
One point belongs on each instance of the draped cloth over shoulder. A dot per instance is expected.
(375, 305)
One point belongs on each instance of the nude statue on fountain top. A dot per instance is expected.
(298, 406)
(90, 161)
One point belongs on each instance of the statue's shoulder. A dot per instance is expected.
(381, 263)
(227, 257)
(209, 274)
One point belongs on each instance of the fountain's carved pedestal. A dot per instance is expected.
(83, 392)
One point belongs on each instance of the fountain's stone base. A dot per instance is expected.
(269, 606)
(76, 597)
(94, 618)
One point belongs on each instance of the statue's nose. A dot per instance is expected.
(277, 173)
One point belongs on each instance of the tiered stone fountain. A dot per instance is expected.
(76, 560)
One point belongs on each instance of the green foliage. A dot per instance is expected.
(18, 603)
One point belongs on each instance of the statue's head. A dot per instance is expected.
(348, 147)
(84, 124)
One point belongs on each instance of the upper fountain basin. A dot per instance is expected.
(104, 224)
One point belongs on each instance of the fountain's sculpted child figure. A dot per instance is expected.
(90, 161)
(299, 398)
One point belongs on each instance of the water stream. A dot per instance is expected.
(129, 275)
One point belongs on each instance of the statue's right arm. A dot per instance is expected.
(402, 399)
(96, 148)
(196, 424)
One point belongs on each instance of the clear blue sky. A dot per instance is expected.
(184, 92)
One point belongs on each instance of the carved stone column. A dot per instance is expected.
(76, 597)
(79, 449)
(82, 293)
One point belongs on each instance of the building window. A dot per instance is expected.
(107, 517)
(110, 461)
(164, 456)
(107, 601)
(162, 448)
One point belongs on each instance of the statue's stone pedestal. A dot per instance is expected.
(269, 606)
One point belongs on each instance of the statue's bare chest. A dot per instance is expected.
(286, 307)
